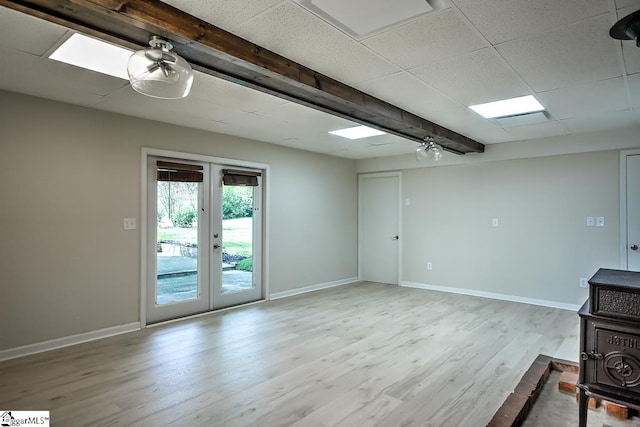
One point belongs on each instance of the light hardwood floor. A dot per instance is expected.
(358, 355)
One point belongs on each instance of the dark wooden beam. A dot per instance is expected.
(214, 51)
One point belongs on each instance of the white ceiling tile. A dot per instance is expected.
(295, 33)
(364, 18)
(308, 120)
(268, 128)
(585, 99)
(475, 78)
(196, 113)
(408, 91)
(490, 135)
(603, 121)
(223, 13)
(26, 33)
(540, 130)
(233, 95)
(465, 122)
(204, 113)
(631, 54)
(522, 119)
(363, 148)
(434, 37)
(34, 75)
(634, 90)
(621, 4)
(579, 53)
(500, 21)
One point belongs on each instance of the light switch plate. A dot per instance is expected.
(495, 222)
(129, 224)
(600, 221)
(591, 221)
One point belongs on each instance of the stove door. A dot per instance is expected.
(618, 362)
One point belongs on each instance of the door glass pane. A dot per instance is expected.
(177, 245)
(237, 238)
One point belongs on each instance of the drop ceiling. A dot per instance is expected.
(434, 64)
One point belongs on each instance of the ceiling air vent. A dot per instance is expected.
(364, 18)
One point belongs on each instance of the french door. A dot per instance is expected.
(204, 237)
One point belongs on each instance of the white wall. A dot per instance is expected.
(542, 245)
(616, 139)
(69, 175)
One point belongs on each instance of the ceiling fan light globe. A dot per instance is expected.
(435, 152)
(421, 153)
(149, 74)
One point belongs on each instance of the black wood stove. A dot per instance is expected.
(610, 340)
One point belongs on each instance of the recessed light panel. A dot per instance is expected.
(357, 132)
(508, 107)
(93, 54)
(364, 18)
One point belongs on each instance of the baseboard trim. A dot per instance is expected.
(312, 288)
(491, 295)
(40, 347)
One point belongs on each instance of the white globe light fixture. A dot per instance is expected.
(429, 150)
(158, 72)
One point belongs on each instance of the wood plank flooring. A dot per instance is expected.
(358, 355)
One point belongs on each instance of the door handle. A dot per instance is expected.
(634, 247)
(216, 246)
(395, 238)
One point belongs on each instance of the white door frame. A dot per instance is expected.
(362, 176)
(146, 152)
(623, 204)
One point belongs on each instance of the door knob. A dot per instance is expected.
(634, 247)
(216, 246)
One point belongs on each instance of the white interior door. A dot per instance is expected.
(379, 230)
(633, 212)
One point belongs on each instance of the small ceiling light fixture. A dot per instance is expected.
(508, 107)
(158, 72)
(628, 28)
(429, 150)
(357, 132)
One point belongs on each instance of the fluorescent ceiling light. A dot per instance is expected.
(357, 132)
(93, 54)
(508, 107)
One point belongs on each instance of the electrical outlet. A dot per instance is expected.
(129, 224)
(600, 221)
(429, 266)
(583, 282)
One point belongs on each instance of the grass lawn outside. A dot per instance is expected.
(237, 235)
